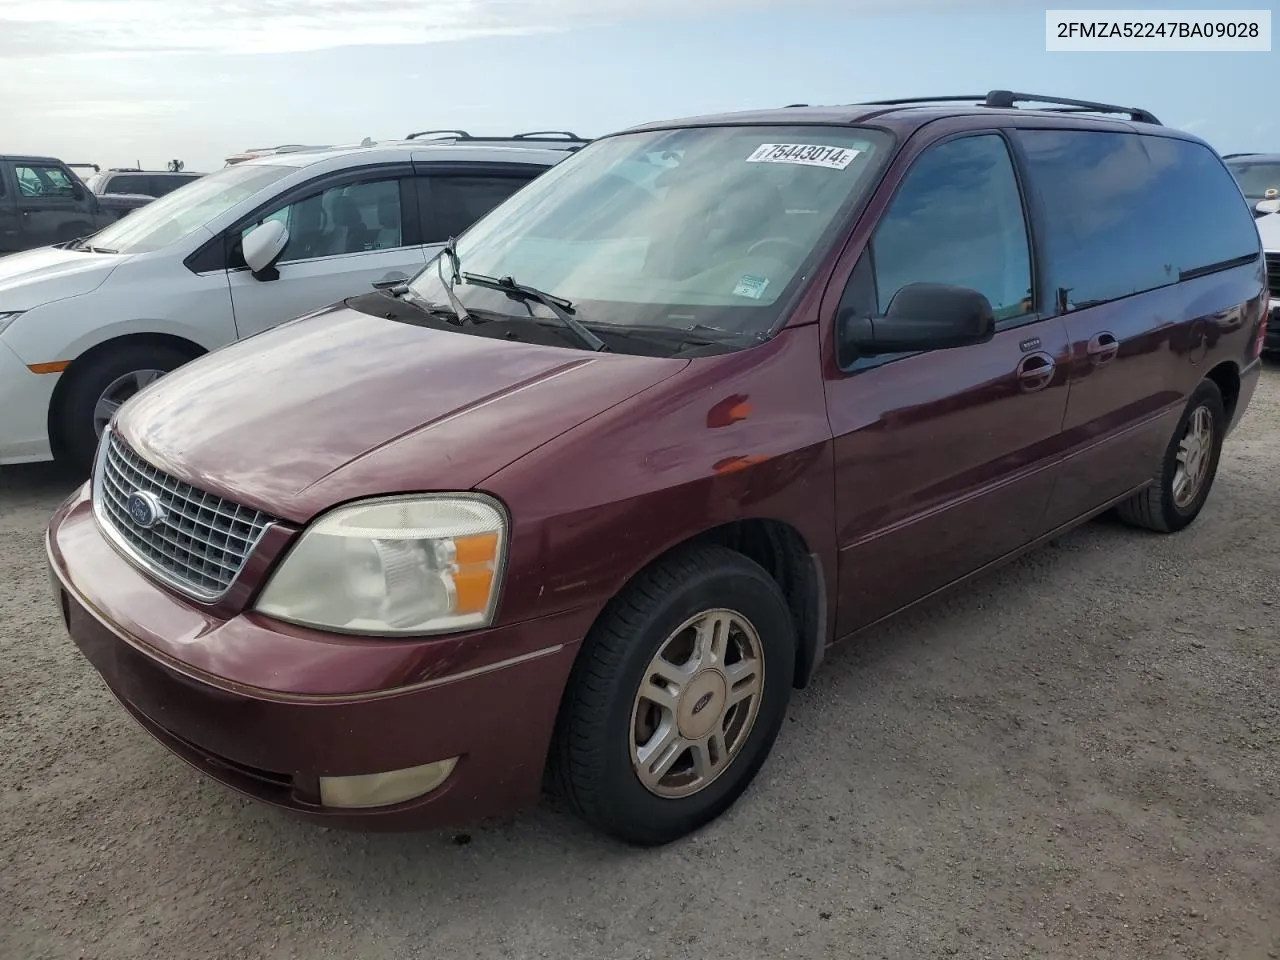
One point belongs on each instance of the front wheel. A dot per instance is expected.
(98, 389)
(1188, 469)
(676, 697)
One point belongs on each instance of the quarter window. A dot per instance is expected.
(957, 219)
(1126, 213)
(356, 218)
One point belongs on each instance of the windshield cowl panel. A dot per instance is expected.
(710, 228)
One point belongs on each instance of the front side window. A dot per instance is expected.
(1259, 180)
(355, 218)
(697, 227)
(43, 181)
(957, 219)
(1127, 213)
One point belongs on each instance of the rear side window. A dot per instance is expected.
(1126, 213)
(129, 183)
(165, 184)
(459, 201)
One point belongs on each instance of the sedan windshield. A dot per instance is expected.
(186, 209)
(705, 227)
(1256, 179)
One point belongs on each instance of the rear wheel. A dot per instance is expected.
(676, 697)
(1188, 469)
(99, 388)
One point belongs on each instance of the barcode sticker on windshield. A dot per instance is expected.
(807, 154)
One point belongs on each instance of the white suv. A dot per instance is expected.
(84, 326)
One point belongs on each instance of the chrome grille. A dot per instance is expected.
(200, 542)
(1273, 275)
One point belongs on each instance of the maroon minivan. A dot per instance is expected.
(595, 491)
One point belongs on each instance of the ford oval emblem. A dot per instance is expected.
(144, 509)
(702, 703)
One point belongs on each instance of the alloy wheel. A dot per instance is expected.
(697, 703)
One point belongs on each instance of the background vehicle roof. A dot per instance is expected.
(29, 158)
(425, 149)
(1253, 158)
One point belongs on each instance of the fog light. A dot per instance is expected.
(384, 789)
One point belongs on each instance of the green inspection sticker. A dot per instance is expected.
(752, 287)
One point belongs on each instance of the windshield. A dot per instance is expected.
(1256, 179)
(186, 209)
(708, 227)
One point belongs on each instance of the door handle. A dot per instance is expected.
(1103, 348)
(1035, 372)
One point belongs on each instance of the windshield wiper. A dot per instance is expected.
(458, 309)
(562, 308)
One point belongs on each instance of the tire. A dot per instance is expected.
(76, 433)
(595, 759)
(1158, 507)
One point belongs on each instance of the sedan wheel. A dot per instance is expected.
(117, 392)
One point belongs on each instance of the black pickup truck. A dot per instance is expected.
(43, 202)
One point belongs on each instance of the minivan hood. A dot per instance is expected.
(341, 405)
(40, 276)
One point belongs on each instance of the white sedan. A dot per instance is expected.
(84, 326)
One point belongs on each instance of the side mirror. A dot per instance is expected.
(262, 247)
(922, 316)
(1268, 206)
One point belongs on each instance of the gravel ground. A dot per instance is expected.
(1076, 756)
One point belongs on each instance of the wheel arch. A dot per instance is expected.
(1226, 377)
(122, 342)
(783, 552)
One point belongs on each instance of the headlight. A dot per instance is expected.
(8, 318)
(394, 566)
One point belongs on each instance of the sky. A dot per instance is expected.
(121, 82)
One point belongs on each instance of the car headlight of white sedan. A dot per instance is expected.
(405, 565)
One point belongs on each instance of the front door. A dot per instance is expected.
(945, 460)
(52, 205)
(341, 241)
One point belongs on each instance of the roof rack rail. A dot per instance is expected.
(530, 135)
(460, 134)
(92, 166)
(1008, 99)
(549, 135)
(1253, 153)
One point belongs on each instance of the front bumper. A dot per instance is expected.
(24, 410)
(286, 706)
